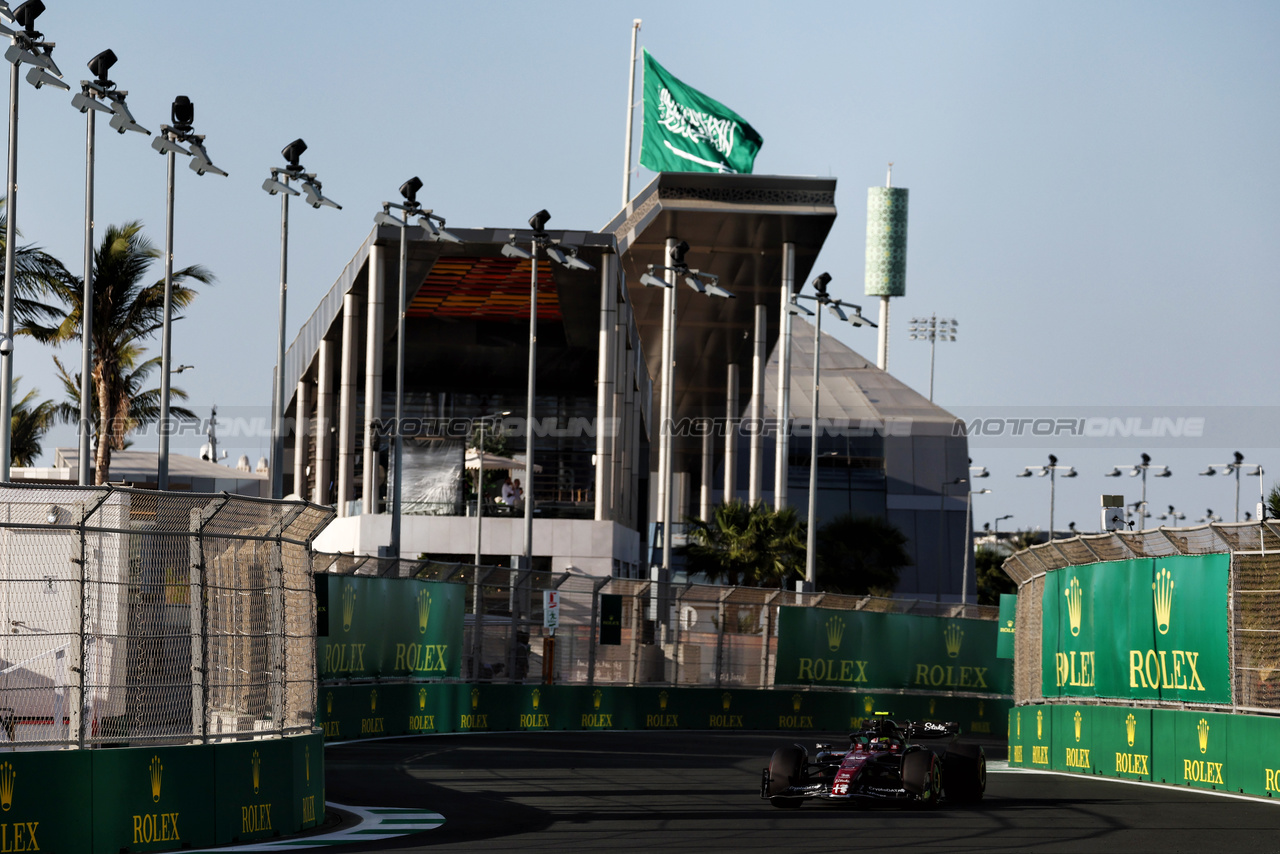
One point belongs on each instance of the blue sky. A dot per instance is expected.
(1095, 192)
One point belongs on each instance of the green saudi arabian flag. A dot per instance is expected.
(685, 131)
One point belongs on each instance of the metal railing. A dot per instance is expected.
(1253, 598)
(135, 616)
(671, 634)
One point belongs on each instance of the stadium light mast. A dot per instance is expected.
(27, 46)
(1141, 469)
(932, 329)
(821, 299)
(278, 184)
(974, 472)
(1233, 467)
(97, 95)
(1052, 471)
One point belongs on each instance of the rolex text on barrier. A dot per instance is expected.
(868, 650)
(1152, 628)
(387, 627)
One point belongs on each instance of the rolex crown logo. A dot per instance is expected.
(595, 699)
(1073, 606)
(348, 605)
(1039, 724)
(373, 700)
(953, 635)
(795, 702)
(1202, 730)
(157, 773)
(424, 610)
(422, 699)
(475, 698)
(662, 700)
(725, 699)
(868, 703)
(256, 763)
(1162, 594)
(6, 786)
(835, 633)
(1078, 719)
(537, 697)
(1130, 728)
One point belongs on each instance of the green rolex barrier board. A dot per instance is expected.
(409, 708)
(1150, 629)
(866, 650)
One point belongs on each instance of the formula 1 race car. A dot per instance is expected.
(886, 761)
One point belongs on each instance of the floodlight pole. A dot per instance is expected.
(811, 543)
(86, 306)
(670, 309)
(631, 109)
(277, 420)
(162, 463)
(527, 498)
(397, 492)
(10, 235)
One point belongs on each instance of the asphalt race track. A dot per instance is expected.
(687, 791)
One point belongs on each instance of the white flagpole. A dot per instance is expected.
(631, 109)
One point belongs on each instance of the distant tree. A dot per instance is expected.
(860, 555)
(36, 275)
(748, 544)
(126, 311)
(992, 580)
(1273, 503)
(29, 422)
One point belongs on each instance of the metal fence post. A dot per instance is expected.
(514, 606)
(198, 604)
(769, 608)
(594, 632)
(637, 615)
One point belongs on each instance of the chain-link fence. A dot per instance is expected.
(671, 634)
(135, 616)
(1253, 598)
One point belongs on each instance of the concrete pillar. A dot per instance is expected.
(758, 357)
(732, 410)
(325, 363)
(604, 388)
(301, 432)
(347, 401)
(708, 457)
(619, 483)
(373, 342)
(882, 336)
(782, 443)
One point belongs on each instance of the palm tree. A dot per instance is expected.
(28, 424)
(860, 555)
(748, 544)
(36, 274)
(125, 313)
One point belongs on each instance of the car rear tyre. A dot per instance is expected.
(786, 769)
(966, 773)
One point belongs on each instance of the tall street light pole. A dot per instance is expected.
(566, 256)
(932, 329)
(974, 472)
(1052, 471)
(708, 284)
(837, 307)
(278, 184)
(97, 95)
(1233, 467)
(169, 142)
(1141, 469)
(27, 46)
(428, 219)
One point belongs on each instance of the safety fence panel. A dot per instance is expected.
(136, 616)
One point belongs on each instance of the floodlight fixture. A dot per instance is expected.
(694, 282)
(797, 309)
(649, 280)
(409, 190)
(573, 262)
(122, 120)
(183, 113)
(200, 162)
(315, 198)
(856, 320)
(820, 284)
(678, 252)
(435, 232)
(5, 12)
(82, 102)
(101, 64)
(385, 218)
(293, 152)
(38, 77)
(538, 222)
(714, 289)
(164, 145)
(272, 186)
(835, 309)
(512, 251)
(26, 14)
(555, 254)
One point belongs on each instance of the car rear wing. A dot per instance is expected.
(931, 729)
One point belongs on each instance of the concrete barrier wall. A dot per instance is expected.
(1224, 752)
(111, 800)
(408, 708)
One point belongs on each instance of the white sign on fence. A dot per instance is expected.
(550, 609)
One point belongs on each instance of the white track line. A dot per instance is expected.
(1001, 766)
(375, 823)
